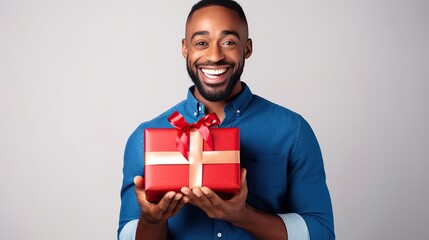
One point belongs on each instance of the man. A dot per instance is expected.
(283, 193)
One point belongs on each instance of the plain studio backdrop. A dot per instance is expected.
(77, 77)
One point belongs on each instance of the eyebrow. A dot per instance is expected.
(224, 33)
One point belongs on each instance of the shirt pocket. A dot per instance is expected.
(266, 180)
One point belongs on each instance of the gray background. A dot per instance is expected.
(77, 77)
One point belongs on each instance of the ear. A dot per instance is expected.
(249, 48)
(184, 48)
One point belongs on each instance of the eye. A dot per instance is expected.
(201, 44)
(229, 43)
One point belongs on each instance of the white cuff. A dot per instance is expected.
(296, 227)
(128, 232)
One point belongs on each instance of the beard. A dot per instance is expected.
(211, 93)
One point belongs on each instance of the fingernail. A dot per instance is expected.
(177, 197)
(170, 195)
(205, 191)
(185, 191)
(196, 192)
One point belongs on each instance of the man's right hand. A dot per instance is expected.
(153, 218)
(153, 213)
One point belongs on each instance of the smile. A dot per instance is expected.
(213, 73)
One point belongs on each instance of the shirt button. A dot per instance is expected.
(238, 112)
(195, 113)
(219, 234)
(199, 109)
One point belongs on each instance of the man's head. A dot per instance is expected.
(216, 45)
(230, 4)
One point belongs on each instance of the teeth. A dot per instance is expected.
(212, 73)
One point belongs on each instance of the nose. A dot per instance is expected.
(215, 53)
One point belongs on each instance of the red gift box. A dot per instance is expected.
(213, 164)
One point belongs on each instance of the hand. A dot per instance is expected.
(215, 207)
(152, 213)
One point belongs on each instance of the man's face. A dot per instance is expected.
(215, 47)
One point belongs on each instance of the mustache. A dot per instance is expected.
(214, 64)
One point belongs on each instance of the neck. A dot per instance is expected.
(218, 107)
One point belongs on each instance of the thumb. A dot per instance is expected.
(243, 183)
(243, 175)
(139, 182)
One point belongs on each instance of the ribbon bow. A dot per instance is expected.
(183, 136)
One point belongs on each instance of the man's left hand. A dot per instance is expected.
(215, 207)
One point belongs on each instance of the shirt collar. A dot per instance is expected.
(239, 104)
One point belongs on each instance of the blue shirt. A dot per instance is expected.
(285, 172)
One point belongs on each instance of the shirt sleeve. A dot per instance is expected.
(133, 166)
(128, 232)
(307, 188)
(296, 226)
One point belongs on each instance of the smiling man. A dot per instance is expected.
(215, 47)
(283, 192)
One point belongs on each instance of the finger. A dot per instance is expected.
(200, 196)
(205, 198)
(139, 190)
(178, 196)
(157, 212)
(243, 182)
(218, 206)
(212, 196)
(176, 204)
(197, 192)
(191, 197)
(202, 201)
(243, 176)
(188, 195)
(139, 182)
(162, 206)
(178, 207)
(186, 191)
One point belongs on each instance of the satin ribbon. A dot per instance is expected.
(183, 136)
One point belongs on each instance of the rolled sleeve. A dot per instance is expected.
(296, 226)
(128, 232)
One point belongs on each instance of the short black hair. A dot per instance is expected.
(230, 4)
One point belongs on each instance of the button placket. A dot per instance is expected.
(220, 229)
